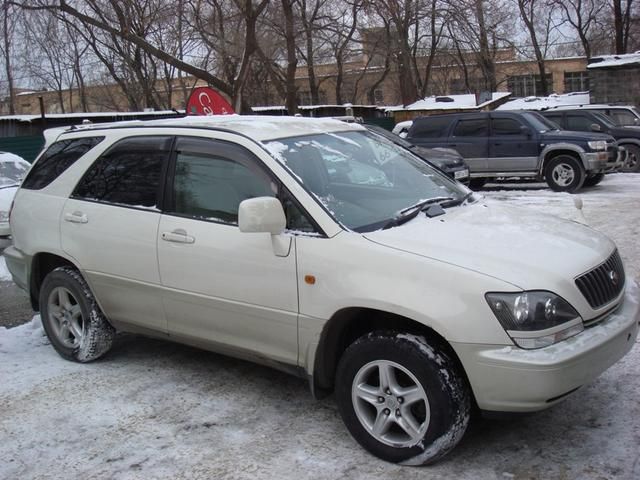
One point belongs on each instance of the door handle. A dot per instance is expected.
(178, 236)
(497, 144)
(76, 217)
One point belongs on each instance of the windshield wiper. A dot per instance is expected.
(412, 212)
(456, 202)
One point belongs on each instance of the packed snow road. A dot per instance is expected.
(152, 409)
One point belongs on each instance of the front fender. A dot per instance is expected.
(351, 271)
(564, 146)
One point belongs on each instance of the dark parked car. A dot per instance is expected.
(583, 120)
(520, 144)
(446, 159)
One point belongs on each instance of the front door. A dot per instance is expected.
(234, 290)
(513, 147)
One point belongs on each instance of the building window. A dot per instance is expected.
(378, 96)
(576, 82)
(527, 85)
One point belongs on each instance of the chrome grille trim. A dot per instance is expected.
(604, 283)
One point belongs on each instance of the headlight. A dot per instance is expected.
(4, 216)
(597, 145)
(535, 319)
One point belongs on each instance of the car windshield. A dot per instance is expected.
(12, 172)
(362, 179)
(539, 123)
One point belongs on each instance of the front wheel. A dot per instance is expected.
(593, 180)
(564, 173)
(71, 317)
(401, 399)
(633, 160)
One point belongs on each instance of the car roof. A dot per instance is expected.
(261, 128)
(591, 106)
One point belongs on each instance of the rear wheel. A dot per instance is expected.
(401, 399)
(633, 160)
(593, 180)
(71, 317)
(564, 173)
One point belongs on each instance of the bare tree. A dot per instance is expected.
(584, 17)
(536, 16)
(9, 17)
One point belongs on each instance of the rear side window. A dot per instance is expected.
(431, 127)
(471, 128)
(128, 173)
(56, 159)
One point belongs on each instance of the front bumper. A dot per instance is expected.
(510, 379)
(605, 162)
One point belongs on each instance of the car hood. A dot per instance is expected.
(626, 132)
(569, 135)
(443, 159)
(524, 248)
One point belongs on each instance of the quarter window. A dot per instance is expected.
(471, 128)
(56, 159)
(128, 173)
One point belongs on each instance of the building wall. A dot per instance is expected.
(446, 78)
(620, 86)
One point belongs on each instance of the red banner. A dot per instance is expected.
(206, 101)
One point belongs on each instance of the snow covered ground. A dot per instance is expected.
(151, 409)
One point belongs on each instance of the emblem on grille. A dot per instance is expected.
(614, 277)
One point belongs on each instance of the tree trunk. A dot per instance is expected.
(7, 57)
(527, 8)
(292, 59)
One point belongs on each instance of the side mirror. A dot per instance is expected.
(261, 215)
(524, 130)
(595, 127)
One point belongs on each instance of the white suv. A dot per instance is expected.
(324, 250)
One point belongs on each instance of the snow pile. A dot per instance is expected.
(5, 276)
(450, 102)
(605, 61)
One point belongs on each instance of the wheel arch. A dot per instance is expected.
(348, 324)
(557, 151)
(42, 264)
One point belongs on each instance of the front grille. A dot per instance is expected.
(604, 283)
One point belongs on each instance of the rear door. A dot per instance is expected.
(469, 137)
(234, 290)
(513, 147)
(109, 226)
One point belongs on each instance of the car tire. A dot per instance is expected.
(477, 183)
(593, 180)
(564, 173)
(71, 317)
(633, 160)
(402, 400)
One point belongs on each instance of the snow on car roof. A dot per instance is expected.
(258, 127)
